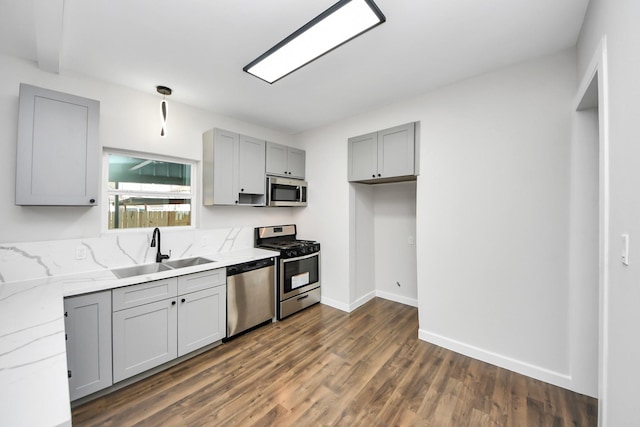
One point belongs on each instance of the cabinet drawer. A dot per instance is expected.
(144, 293)
(203, 280)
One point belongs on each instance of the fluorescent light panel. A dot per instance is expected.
(335, 26)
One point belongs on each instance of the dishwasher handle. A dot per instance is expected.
(249, 266)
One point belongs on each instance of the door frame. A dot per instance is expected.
(597, 72)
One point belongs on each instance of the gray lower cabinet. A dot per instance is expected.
(144, 337)
(58, 149)
(155, 322)
(201, 319)
(88, 333)
(202, 309)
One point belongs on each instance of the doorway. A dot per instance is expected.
(589, 234)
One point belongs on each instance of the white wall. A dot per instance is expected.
(128, 120)
(494, 217)
(492, 213)
(618, 21)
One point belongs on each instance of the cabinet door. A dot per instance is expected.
(296, 162)
(396, 151)
(88, 332)
(57, 151)
(144, 337)
(201, 319)
(220, 156)
(251, 178)
(363, 157)
(276, 159)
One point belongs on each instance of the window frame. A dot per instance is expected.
(104, 217)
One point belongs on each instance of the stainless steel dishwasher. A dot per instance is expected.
(250, 295)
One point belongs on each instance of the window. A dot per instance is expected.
(145, 192)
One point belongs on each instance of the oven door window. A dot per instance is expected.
(300, 272)
(285, 193)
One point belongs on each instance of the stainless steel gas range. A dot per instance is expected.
(298, 267)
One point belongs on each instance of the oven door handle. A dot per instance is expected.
(300, 257)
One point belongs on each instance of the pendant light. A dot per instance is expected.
(164, 91)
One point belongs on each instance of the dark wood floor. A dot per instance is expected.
(326, 367)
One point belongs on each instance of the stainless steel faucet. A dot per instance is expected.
(159, 255)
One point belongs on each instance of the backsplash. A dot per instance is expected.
(32, 260)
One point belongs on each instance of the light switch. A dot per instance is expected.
(625, 249)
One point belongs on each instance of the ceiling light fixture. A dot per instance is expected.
(164, 91)
(335, 26)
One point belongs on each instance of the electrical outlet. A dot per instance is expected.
(81, 252)
(411, 240)
(204, 241)
(625, 249)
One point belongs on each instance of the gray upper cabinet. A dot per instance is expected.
(88, 332)
(363, 157)
(234, 169)
(57, 150)
(252, 165)
(384, 156)
(285, 161)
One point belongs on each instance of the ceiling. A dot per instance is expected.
(198, 48)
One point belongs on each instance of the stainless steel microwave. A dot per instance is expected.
(286, 191)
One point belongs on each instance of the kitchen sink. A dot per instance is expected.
(188, 262)
(140, 270)
(156, 267)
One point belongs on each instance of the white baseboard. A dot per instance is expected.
(397, 298)
(362, 301)
(524, 368)
(335, 304)
(366, 298)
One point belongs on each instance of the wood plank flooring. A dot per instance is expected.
(325, 367)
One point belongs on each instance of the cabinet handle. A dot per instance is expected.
(183, 300)
(242, 190)
(92, 200)
(373, 176)
(236, 202)
(173, 302)
(379, 175)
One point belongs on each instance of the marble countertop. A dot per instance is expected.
(34, 389)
